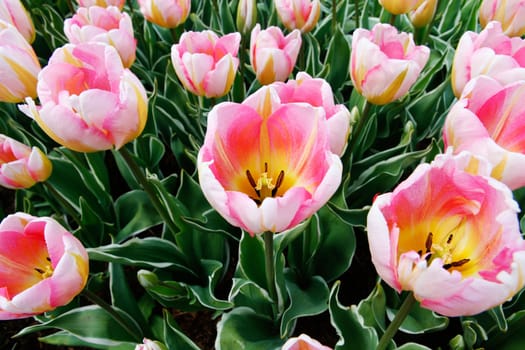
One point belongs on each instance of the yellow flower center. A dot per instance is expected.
(443, 250)
(45, 271)
(264, 186)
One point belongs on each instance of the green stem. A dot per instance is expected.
(428, 27)
(392, 19)
(392, 328)
(360, 125)
(70, 6)
(357, 21)
(95, 299)
(148, 188)
(269, 263)
(71, 211)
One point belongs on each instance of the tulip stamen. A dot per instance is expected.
(437, 250)
(45, 272)
(264, 186)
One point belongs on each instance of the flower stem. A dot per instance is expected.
(360, 125)
(357, 21)
(269, 263)
(148, 188)
(71, 211)
(95, 299)
(392, 328)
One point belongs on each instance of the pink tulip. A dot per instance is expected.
(14, 12)
(384, 64)
(89, 101)
(510, 13)
(103, 24)
(490, 121)
(399, 7)
(165, 13)
(265, 165)
(303, 342)
(318, 93)
(272, 54)
(423, 14)
(491, 53)
(449, 234)
(206, 63)
(298, 14)
(102, 3)
(42, 266)
(21, 166)
(19, 66)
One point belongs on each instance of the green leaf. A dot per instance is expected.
(135, 214)
(174, 338)
(90, 324)
(244, 329)
(413, 346)
(63, 338)
(147, 252)
(305, 300)
(227, 21)
(350, 325)
(338, 58)
(373, 308)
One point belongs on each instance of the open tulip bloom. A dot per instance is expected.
(384, 64)
(21, 166)
(89, 101)
(267, 166)
(42, 266)
(450, 234)
(510, 13)
(489, 121)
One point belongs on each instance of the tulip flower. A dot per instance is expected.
(102, 3)
(42, 266)
(303, 342)
(399, 7)
(89, 101)
(298, 14)
(14, 13)
(423, 14)
(206, 63)
(267, 166)
(488, 121)
(19, 66)
(165, 13)
(246, 16)
(384, 63)
(510, 13)
(318, 93)
(492, 53)
(449, 234)
(21, 166)
(272, 54)
(103, 24)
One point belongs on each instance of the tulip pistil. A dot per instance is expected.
(264, 186)
(433, 250)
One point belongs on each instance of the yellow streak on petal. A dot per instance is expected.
(267, 75)
(497, 171)
(516, 99)
(472, 166)
(28, 79)
(388, 94)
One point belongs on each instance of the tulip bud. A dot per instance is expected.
(246, 16)
(165, 13)
(510, 13)
(19, 66)
(298, 14)
(399, 7)
(14, 12)
(423, 14)
(102, 3)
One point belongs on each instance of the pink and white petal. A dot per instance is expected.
(281, 213)
(219, 80)
(339, 129)
(381, 246)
